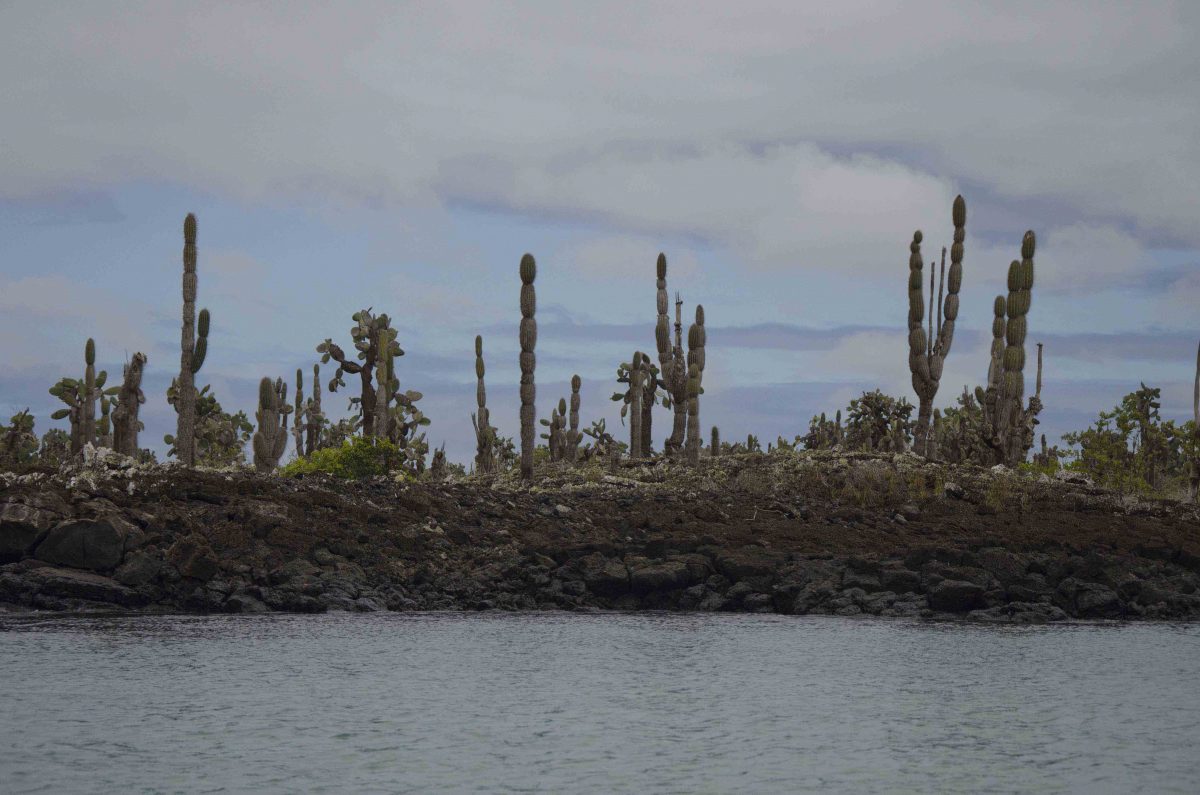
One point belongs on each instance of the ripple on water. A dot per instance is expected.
(559, 702)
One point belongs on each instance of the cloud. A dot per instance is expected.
(727, 116)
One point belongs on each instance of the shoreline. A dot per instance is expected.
(789, 533)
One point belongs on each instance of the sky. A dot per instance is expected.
(403, 156)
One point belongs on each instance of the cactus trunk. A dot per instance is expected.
(528, 360)
(192, 350)
(636, 375)
(125, 415)
(485, 460)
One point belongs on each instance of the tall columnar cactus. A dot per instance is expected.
(528, 364)
(693, 416)
(192, 349)
(635, 408)
(298, 414)
(125, 415)
(574, 436)
(316, 419)
(375, 340)
(697, 338)
(485, 434)
(270, 440)
(673, 364)
(1195, 463)
(714, 446)
(1008, 424)
(927, 350)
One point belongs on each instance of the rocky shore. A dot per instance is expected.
(843, 534)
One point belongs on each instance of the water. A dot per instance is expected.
(593, 703)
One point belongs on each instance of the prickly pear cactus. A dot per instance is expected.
(81, 396)
(927, 349)
(528, 364)
(374, 340)
(270, 440)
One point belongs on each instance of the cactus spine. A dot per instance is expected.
(270, 440)
(528, 361)
(125, 415)
(192, 350)
(635, 408)
(928, 350)
(485, 460)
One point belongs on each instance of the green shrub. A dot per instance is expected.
(357, 458)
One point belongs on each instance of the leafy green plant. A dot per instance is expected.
(359, 457)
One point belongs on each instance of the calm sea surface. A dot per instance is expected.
(593, 703)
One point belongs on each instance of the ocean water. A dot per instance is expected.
(552, 702)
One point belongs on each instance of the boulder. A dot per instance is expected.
(193, 558)
(956, 596)
(70, 584)
(83, 544)
(139, 568)
(603, 576)
(749, 561)
(21, 526)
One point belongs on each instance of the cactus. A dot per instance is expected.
(635, 407)
(1194, 475)
(674, 366)
(192, 350)
(714, 445)
(125, 415)
(298, 414)
(81, 395)
(437, 468)
(528, 363)
(928, 349)
(1009, 426)
(573, 435)
(374, 339)
(316, 420)
(697, 338)
(270, 440)
(485, 434)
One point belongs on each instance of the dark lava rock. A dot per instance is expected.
(747, 562)
(956, 596)
(603, 576)
(139, 568)
(66, 583)
(192, 556)
(20, 528)
(83, 544)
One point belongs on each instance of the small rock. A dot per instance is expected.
(956, 596)
(953, 490)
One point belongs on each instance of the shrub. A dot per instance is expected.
(358, 457)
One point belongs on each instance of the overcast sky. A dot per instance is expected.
(405, 156)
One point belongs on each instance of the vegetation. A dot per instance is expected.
(1131, 448)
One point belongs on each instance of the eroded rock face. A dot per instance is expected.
(21, 526)
(956, 596)
(83, 544)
